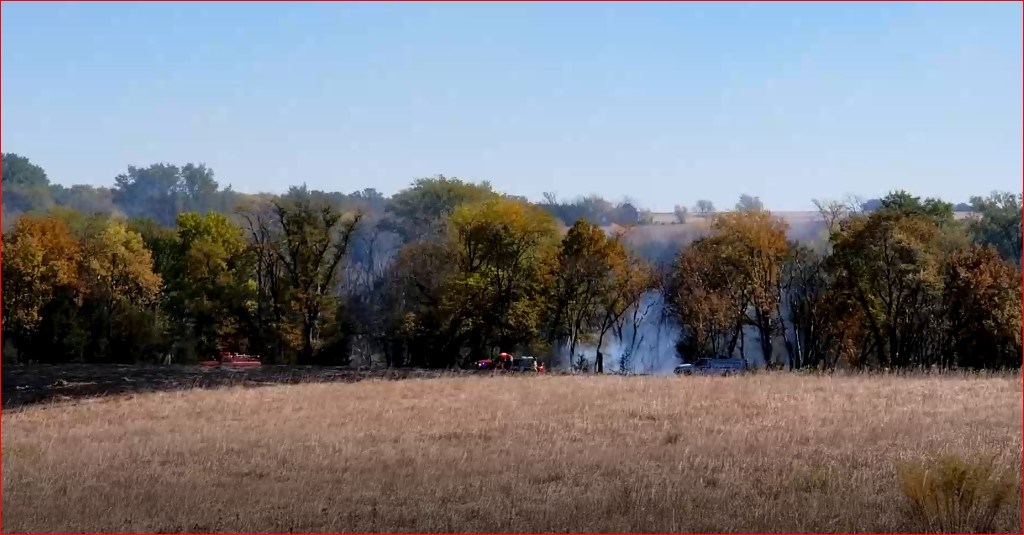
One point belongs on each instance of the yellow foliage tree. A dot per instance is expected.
(754, 244)
(583, 263)
(118, 266)
(625, 284)
(500, 246)
(40, 255)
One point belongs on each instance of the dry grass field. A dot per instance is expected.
(504, 454)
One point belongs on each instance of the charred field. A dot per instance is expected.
(769, 452)
(24, 385)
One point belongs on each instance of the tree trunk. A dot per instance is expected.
(572, 348)
(599, 359)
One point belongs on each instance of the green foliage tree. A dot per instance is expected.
(889, 264)
(162, 191)
(496, 298)
(422, 210)
(408, 323)
(584, 260)
(20, 171)
(594, 209)
(85, 199)
(209, 292)
(748, 203)
(998, 223)
(314, 239)
(26, 187)
(161, 241)
(904, 203)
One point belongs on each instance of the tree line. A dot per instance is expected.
(168, 267)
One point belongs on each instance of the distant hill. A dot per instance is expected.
(669, 218)
(665, 234)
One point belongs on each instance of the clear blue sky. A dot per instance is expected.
(665, 103)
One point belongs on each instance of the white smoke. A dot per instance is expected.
(651, 351)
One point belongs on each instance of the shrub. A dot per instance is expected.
(951, 495)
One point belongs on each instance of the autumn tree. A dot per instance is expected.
(626, 282)
(40, 259)
(86, 292)
(703, 295)
(819, 325)
(728, 281)
(583, 263)
(448, 271)
(496, 299)
(596, 283)
(753, 243)
(121, 291)
(982, 305)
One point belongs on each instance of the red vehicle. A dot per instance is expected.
(232, 359)
(503, 362)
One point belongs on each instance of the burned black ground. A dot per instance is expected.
(31, 384)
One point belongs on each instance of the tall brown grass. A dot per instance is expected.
(951, 495)
(507, 454)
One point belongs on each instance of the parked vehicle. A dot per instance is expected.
(507, 362)
(524, 364)
(503, 362)
(713, 366)
(233, 360)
